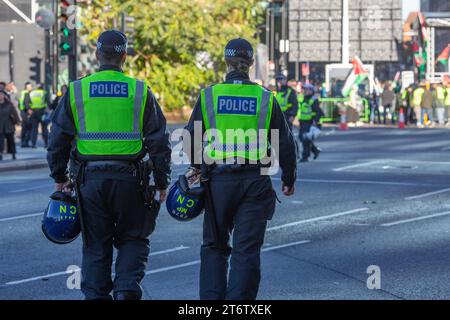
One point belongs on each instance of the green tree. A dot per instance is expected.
(179, 43)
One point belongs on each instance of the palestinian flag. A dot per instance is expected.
(443, 57)
(355, 77)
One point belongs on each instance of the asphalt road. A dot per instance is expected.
(375, 197)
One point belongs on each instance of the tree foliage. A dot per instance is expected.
(179, 43)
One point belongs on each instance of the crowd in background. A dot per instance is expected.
(30, 109)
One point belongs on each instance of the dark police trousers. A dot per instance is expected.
(308, 145)
(243, 203)
(35, 120)
(26, 128)
(114, 215)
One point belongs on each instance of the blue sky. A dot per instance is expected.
(410, 5)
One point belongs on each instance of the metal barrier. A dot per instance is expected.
(331, 106)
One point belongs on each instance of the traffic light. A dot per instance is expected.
(35, 69)
(66, 31)
(128, 30)
(66, 43)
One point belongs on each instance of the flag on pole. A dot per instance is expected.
(355, 77)
(443, 57)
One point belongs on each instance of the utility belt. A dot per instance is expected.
(250, 169)
(136, 171)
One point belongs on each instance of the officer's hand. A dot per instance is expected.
(288, 192)
(162, 195)
(64, 187)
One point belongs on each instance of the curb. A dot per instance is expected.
(24, 165)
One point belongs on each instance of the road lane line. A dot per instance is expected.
(52, 275)
(358, 165)
(154, 271)
(388, 183)
(22, 217)
(416, 219)
(334, 215)
(192, 263)
(423, 195)
(31, 188)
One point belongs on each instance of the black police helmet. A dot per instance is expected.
(112, 42)
(61, 223)
(239, 50)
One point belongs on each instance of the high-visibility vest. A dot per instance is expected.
(108, 110)
(305, 112)
(440, 93)
(37, 98)
(22, 99)
(237, 120)
(283, 99)
(447, 97)
(417, 96)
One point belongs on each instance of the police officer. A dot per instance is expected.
(38, 104)
(112, 121)
(241, 199)
(309, 115)
(287, 99)
(25, 111)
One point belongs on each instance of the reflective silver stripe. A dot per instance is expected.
(138, 105)
(264, 109)
(229, 147)
(209, 106)
(109, 136)
(78, 94)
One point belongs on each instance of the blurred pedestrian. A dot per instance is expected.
(9, 117)
(447, 102)
(417, 103)
(439, 102)
(38, 99)
(59, 94)
(25, 112)
(427, 106)
(387, 100)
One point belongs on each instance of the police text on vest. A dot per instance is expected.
(236, 105)
(110, 89)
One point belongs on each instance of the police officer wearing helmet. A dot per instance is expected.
(287, 99)
(309, 115)
(112, 121)
(240, 199)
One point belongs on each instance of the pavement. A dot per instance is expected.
(376, 199)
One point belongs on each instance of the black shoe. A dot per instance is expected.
(317, 153)
(1, 157)
(14, 156)
(126, 295)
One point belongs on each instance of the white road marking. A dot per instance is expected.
(423, 195)
(415, 219)
(357, 165)
(334, 215)
(192, 263)
(52, 275)
(296, 202)
(388, 183)
(31, 188)
(177, 266)
(22, 217)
